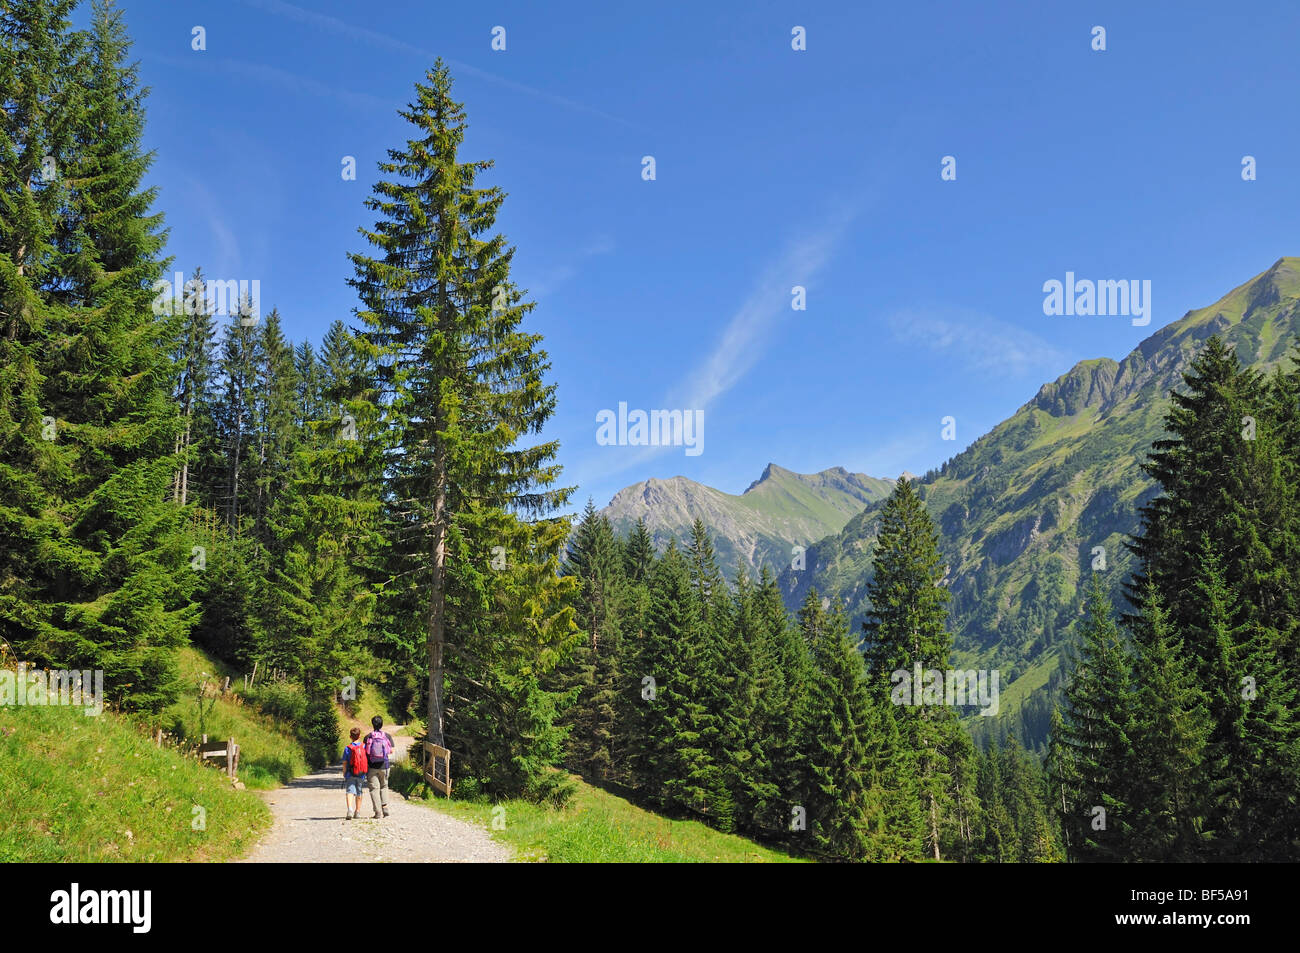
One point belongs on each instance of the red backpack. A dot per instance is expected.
(357, 760)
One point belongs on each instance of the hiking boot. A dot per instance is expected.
(385, 812)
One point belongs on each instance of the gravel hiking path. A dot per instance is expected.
(309, 827)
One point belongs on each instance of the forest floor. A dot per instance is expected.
(309, 826)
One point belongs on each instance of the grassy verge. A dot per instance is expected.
(595, 827)
(79, 788)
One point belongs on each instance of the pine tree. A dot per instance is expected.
(1170, 794)
(1029, 830)
(591, 675)
(963, 796)
(1228, 500)
(310, 405)
(663, 717)
(38, 54)
(1095, 735)
(907, 626)
(106, 583)
(1250, 755)
(782, 670)
(235, 418)
(838, 736)
(718, 675)
(998, 834)
(1217, 483)
(459, 385)
(747, 672)
(640, 553)
(277, 437)
(194, 360)
(1062, 783)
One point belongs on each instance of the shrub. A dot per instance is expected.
(283, 701)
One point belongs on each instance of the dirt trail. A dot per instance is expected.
(309, 827)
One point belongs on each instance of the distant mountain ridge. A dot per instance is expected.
(1022, 511)
(779, 510)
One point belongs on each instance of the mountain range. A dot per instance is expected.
(779, 511)
(1024, 513)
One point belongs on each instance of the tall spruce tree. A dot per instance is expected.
(1095, 735)
(459, 390)
(782, 672)
(591, 674)
(640, 553)
(838, 736)
(38, 56)
(277, 437)
(106, 582)
(664, 754)
(1170, 790)
(1228, 499)
(721, 659)
(907, 627)
(194, 361)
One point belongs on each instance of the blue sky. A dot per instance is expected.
(774, 168)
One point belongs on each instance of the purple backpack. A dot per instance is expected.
(378, 748)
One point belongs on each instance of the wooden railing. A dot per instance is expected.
(437, 768)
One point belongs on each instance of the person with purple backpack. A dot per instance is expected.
(379, 752)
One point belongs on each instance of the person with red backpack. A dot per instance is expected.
(355, 768)
(379, 752)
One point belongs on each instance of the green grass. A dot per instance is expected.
(599, 827)
(270, 753)
(93, 788)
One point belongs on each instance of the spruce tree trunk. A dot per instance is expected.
(176, 479)
(437, 612)
(185, 465)
(934, 826)
(234, 471)
(180, 491)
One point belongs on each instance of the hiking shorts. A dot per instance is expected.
(355, 784)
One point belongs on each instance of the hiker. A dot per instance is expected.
(379, 751)
(355, 768)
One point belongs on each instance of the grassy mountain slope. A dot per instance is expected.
(779, 510)
(94, 789)
(1021, 510)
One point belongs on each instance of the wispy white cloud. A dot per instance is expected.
(551, 280)
(767, 303)
(265, 75)
(227, 260)
(743, 339)
(980, 342)
(339, 27)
